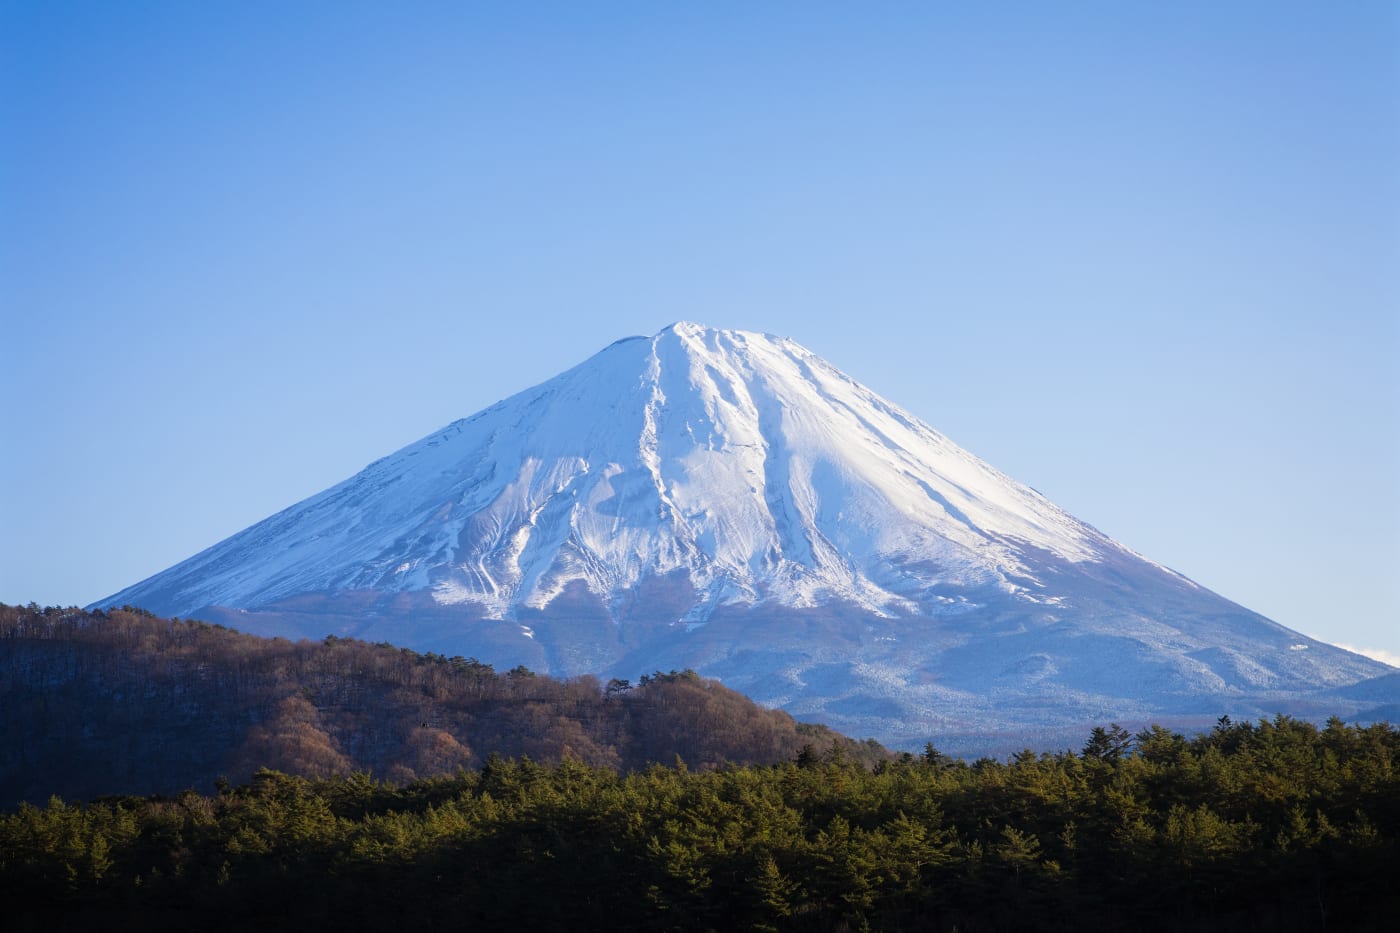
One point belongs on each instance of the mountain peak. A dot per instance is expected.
(704, 335)
(685, 329)
(740, 461)
(667, 486)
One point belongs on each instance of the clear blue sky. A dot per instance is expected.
(1142, 256)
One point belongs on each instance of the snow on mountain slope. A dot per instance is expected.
(729, 501)
(741, 459)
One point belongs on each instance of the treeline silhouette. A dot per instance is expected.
(123, 702)
(1277, 825)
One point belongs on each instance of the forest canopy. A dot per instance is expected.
(1276, 825)
(367, 785)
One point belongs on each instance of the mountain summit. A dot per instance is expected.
(731, 502)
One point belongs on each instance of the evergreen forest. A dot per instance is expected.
(1270, 825)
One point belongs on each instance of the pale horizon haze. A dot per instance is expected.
(1143, 258)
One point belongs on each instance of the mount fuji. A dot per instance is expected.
(729, 502)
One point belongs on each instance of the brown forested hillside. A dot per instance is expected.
(122, 702)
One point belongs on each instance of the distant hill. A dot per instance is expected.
(124, 702)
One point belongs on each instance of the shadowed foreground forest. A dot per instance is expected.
(121, 702)
(1275, 825)
(1269, 826)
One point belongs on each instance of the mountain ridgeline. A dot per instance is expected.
(731, 503)
(123, 702)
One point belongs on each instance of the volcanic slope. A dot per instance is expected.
(729, 502)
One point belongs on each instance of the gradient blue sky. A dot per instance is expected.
(1140, 256)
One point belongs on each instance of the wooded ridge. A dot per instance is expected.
(122, 702)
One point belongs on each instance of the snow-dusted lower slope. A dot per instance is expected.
(693, 496)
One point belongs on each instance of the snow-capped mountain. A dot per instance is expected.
(731, 502)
